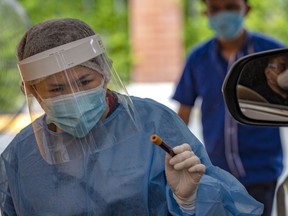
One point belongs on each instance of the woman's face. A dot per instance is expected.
(75, 79)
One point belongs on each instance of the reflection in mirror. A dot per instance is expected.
(262, 89)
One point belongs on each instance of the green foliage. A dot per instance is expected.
(269, 17)
(195, 27)
(12, 26)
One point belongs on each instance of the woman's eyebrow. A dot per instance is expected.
(84, 76)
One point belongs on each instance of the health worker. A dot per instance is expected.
(88, 149)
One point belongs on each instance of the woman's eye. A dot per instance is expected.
(84, 82)
(282, 67)
(55, 90)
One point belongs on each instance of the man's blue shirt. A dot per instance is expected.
(249, 152)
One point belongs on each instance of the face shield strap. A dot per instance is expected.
(60, 58)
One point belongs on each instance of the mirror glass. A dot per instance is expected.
(262, 88)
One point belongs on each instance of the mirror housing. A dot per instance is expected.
(252, 92)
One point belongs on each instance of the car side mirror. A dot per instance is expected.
(255, 89)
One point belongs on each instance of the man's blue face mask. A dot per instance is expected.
(76, 113)
(227, 24)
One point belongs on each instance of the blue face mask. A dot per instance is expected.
(76, 113)
(227, 24)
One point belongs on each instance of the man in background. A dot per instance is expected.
(251, 154)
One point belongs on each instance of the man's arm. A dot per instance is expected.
(184, 113)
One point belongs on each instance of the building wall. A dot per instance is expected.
(155, 32)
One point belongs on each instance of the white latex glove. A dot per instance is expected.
(183, 173)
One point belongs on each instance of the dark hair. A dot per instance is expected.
(246, 1)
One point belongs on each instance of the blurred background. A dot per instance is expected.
(147, 40)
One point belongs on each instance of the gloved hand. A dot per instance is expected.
(183, 173)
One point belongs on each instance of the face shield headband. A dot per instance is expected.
(72, 54)
(62, 67)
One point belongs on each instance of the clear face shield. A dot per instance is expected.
(77, 102)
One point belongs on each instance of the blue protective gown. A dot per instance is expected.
(126, 178)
